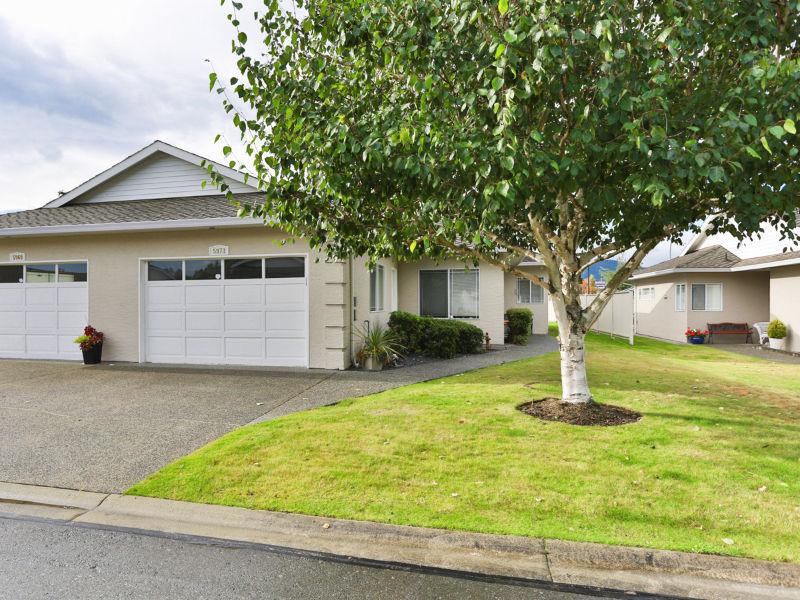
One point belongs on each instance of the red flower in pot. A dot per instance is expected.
(91, 343)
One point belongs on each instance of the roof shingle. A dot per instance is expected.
(713, 257)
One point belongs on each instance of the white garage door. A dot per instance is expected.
(43, 307)
(239, 311)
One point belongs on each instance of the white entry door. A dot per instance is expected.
(43, 308)
(239, 311)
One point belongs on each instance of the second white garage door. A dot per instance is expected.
(247, 311)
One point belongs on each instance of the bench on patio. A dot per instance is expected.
(729, 329)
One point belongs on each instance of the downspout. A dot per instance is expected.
(351, 313)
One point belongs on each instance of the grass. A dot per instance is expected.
(716, 456)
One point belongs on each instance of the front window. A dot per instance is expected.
(376, 286)
(40, 274)
(72, 272)
(11, 274)
(449, 293)
(203, 270)
(244, 268)
(707, 296)
(680, 297)
(165, 270)
(285, 267)
(647, 294)
(528, 292)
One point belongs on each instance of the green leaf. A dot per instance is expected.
(412, 246)
(507, 162)
(500, 49)
(766, 145)
(662, 37)
(777, 131)
(212, 79)
(497, 83)
(502, 6)
(751, 120)
(788, 125)
(510, 36)
(503, 188)
(716, 174)
(242, 37)
(752, 152)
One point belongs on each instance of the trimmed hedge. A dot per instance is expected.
(520, 321)
(439, 338)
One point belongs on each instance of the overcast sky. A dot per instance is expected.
(85, 83)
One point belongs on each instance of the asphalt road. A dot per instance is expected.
(53, 560)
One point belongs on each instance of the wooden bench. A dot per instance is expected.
(729, 329)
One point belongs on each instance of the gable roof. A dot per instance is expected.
(137, 158)
(168, 213)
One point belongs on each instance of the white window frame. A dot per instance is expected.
(685, 296)
(450, 292)
(380, 282)
(706, 309)
(531, 286)
(649, 296)
(393, 292)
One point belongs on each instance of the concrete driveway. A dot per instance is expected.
(104, 428)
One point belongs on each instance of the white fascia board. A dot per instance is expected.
(131, 226)
(137, 157)
(678, 271)
(768, 265)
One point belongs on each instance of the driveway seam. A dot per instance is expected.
(298, 395)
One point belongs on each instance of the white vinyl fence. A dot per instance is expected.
(617, 316)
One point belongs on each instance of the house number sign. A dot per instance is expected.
(16, 257)
(218, 250)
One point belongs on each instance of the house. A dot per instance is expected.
(719, 279)
(171, 274)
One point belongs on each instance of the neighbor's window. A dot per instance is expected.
(707, 296)
(165, 270)
(449, 293)
(680, 297)
(376, 287)
(288, 266)
(40, 273)
(528, 292)
(647, 293)
(244, 268)
(72, 272)
(203, 270)
(11, 274)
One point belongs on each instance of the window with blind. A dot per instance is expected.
(707, 296)
(680, 297)
(376, 289)
(528, 292)
(449, 293)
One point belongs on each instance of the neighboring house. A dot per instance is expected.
(171, 275)
(718, 279)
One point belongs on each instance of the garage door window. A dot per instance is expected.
(165, 270)
(283, 267)
(11, 274)
(71, 272)
(244, 269)
(203, 270)
(40, 274)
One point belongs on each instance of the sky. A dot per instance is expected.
(85, 83)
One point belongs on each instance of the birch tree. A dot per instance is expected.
(567, 132)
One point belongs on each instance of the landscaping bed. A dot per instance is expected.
(712, 465)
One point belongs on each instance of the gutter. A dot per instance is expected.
(129, 226)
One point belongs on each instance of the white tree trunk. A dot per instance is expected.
(571, 337)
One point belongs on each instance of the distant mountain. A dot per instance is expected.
(596, 270)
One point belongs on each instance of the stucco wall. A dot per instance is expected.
(540, 318)
(114, 280)
(784, 294)
(745, 299)
(491, 301)
(361, 304)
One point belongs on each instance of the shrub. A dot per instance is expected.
(520, 321)
(776, 330)
(379, 344)
(439, 338)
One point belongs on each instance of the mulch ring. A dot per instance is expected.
(553, 409)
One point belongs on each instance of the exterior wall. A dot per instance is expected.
(784, 292)
(540, 316)
(360, 302)
(491, 300)
(159, 176)
(114, 278)
(745, 299)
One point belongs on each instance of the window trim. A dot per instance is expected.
(685, 296)
(380, 292)
(706, 309)
(531, 285)
(450, 292)
(145, 261)
(651, 293)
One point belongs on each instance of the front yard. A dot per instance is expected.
(713, 466)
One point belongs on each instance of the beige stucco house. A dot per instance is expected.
(718, 279)
(170, 273)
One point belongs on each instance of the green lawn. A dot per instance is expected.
(716, 456)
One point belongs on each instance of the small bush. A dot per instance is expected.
(520, 321)
(439, 338)
(776, 330)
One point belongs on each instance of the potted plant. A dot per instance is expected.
(696, 336)
(776, 332)
(91, 343)
(380, 346)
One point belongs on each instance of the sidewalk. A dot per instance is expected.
(666, 573)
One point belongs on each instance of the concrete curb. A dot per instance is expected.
(576, 563)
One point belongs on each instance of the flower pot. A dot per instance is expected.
(93, 355)
(777, 343)
(697, 339)
(372, 364)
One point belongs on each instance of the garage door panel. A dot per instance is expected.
(67, 346)
(72, 296)
(40, 295)
(291, 348)
(203, 321)
(164, 296)
(160, 347)
(289, 295)
(12, 321)
(204, 347)
(73, 320)
(12, 297)
(41, 320)
(244, 321)
(244, 295)
(244, 348)
(46, 344)
(12, 343)
(203, 294)
(170, 321)
(286, 324)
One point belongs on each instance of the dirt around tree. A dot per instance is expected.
(553, 409)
